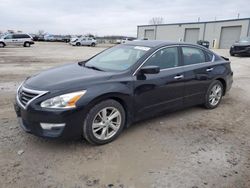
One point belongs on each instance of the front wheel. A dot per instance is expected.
(104, 122)
(214, 95)
(26, 44)
(78, 44)
(93, 44)
(2, 45)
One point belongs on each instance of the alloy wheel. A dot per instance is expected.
(215, 95)
(106, 123)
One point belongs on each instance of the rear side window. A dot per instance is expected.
(16, 36)
(193, 56)
(209, 57)
(165, 58)
(21, 36)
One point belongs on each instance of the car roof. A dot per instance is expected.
(161, 43)
(157, 43)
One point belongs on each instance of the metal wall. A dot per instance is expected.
(210, 31)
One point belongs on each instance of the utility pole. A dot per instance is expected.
(238, 16)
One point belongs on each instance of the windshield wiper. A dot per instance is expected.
(93, 67)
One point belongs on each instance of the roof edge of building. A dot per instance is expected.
(185, 23)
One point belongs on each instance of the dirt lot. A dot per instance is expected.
(189, 148)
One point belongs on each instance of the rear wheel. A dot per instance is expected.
(2, 45)
(104, 122)
(93, 44)
(214, 95)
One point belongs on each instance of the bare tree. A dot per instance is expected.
(40, 32)
(156, 20)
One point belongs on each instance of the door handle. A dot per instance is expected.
(209, 69)
(178, 77)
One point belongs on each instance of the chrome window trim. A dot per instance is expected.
(39, 94)
(213, 59)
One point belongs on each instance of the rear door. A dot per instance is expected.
(19, 39)
(162, 91)
(198, 69)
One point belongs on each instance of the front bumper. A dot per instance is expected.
(30, 120)
(240, 50)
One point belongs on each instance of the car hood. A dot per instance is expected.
(241, 44)
(68, 76)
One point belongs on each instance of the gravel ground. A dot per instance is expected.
(192, 148)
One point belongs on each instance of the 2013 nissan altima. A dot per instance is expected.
(100, 97)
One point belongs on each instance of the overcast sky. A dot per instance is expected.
(110, 17)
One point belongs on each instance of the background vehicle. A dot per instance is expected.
(241, 47)
(99, 97)
(16, 40)
(124, 40)
(83, 41)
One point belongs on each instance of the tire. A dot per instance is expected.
(78, 44)
(103, 132)
(214, 95)
(2, 45)
(93, 44)
(26, 44)
(232, 54)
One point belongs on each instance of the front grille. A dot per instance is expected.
(25, 96)
(238, 48)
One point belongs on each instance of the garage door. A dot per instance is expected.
(229, 35)
(149, 34)
(192, 35)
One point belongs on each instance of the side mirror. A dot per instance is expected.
(150, 70)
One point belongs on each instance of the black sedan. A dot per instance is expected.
(100, 97)
(241, 47)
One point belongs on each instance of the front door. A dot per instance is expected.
(8, 40)
(162, 91)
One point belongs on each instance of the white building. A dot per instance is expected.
(220, 34)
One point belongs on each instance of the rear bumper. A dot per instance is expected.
(229, 81)
(30, 121)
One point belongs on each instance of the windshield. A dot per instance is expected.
(118, 58)
(245, 39)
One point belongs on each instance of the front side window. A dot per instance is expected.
(8, 37)
(192, 56)
(165, 58)
(118, 58)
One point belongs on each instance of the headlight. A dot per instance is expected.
(63, 101)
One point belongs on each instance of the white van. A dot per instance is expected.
(16, 40)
